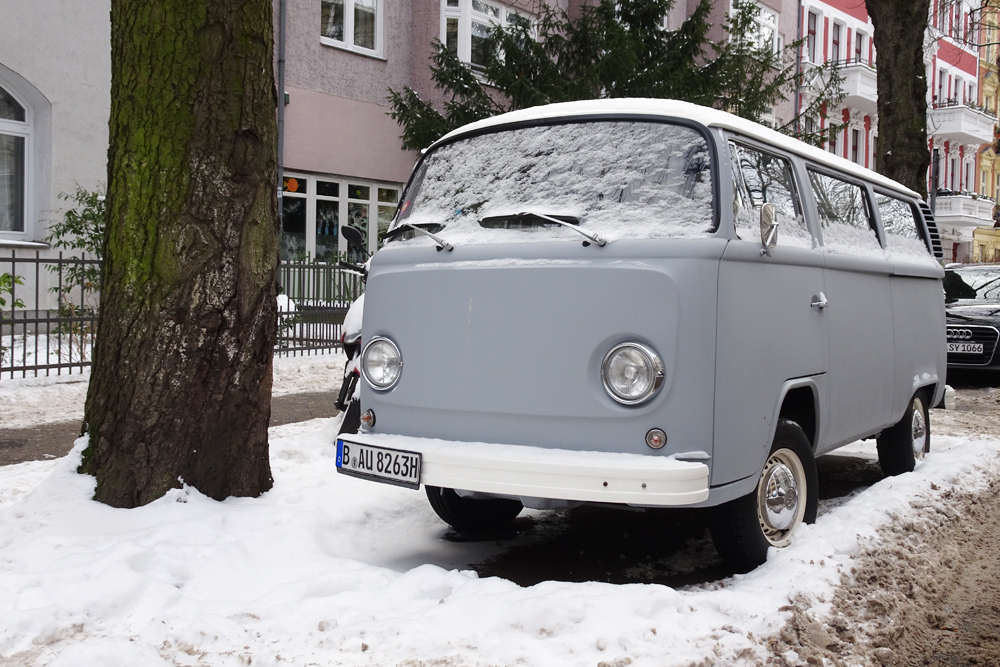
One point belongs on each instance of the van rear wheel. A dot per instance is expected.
(471, 515)
(902, 445)
(787, 495)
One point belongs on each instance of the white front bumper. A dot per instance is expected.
(561, 474)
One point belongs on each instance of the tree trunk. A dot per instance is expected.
(181, 382)
(902, 90)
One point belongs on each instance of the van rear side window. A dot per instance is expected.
(619, 179)
(900, 224)
(844, 216)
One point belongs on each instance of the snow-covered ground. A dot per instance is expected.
(329, 570)
(56, 398)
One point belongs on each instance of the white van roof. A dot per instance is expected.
(677, 109)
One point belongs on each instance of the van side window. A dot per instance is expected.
(760, 178)
(844, 215)
(900, 224)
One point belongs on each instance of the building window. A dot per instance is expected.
(855, 146)
(352, 24)
(811, 37)
(835, 45)
(859, 45)
(314, 207)
(466, 25)
(767, 29)
(14, 136)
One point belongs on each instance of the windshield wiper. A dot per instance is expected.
(399, 229)
(523, 219)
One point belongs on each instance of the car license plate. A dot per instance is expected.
(965, 348)
(379, 464)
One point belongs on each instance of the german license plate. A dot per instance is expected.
(965, 348)
(379, 464)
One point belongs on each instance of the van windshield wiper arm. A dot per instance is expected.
(593, 238)
(528, 215)
(398, 229)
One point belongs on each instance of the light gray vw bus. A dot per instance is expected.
(644, 303)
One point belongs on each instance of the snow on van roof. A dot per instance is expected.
(676, 109)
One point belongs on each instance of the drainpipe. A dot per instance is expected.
(798, 71)
(935, 180)
(281, 106)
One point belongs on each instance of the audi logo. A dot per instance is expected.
(960, 334)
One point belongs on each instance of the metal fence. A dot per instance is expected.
(313, 301)
(50, 320)
(49, 324)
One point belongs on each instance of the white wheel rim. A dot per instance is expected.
(781, 497)
(918, 429)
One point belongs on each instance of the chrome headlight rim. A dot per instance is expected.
(654, 362)
(380, 386)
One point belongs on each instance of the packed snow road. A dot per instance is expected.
(329, 570)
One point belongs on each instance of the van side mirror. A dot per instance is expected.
(353, 237)
(768, 228)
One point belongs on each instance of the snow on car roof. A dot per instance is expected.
(706, 116)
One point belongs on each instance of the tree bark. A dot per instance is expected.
(181, 382)
(900, 26)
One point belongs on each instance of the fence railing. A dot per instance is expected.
(50, 319)
(312, 305)
(53, 327)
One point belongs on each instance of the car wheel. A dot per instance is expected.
(902, 445)
(471, 514)
(352, 418)
(787, 495)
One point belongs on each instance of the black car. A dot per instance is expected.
(972, 306)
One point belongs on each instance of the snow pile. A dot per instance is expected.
(57, 398)
(326, 569)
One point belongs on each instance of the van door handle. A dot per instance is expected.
(820, 301)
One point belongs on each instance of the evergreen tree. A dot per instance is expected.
(617, 49)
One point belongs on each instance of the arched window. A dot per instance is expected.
(14, 136)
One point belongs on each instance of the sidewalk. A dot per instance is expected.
(48, 441)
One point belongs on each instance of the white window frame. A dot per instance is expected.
(343, 200)
(767, 22)
(466, 14)
(24, 130)
(856, 148)
(813, 46)
(378, 51)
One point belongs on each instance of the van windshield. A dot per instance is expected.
(619, 179)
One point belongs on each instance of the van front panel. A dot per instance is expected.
(505, 344)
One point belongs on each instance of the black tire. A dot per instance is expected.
(352, 418)
(902, 445)
(743, 529)
(468, 515)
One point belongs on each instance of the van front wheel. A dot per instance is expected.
(787, 495)
(901, 446)
(471, 515)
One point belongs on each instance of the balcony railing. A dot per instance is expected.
(961, 123)
(957, 215)
(860, 85)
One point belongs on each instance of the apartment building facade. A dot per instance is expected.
(341, 154)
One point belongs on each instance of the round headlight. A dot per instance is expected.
(381, 363)
(631, 373)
